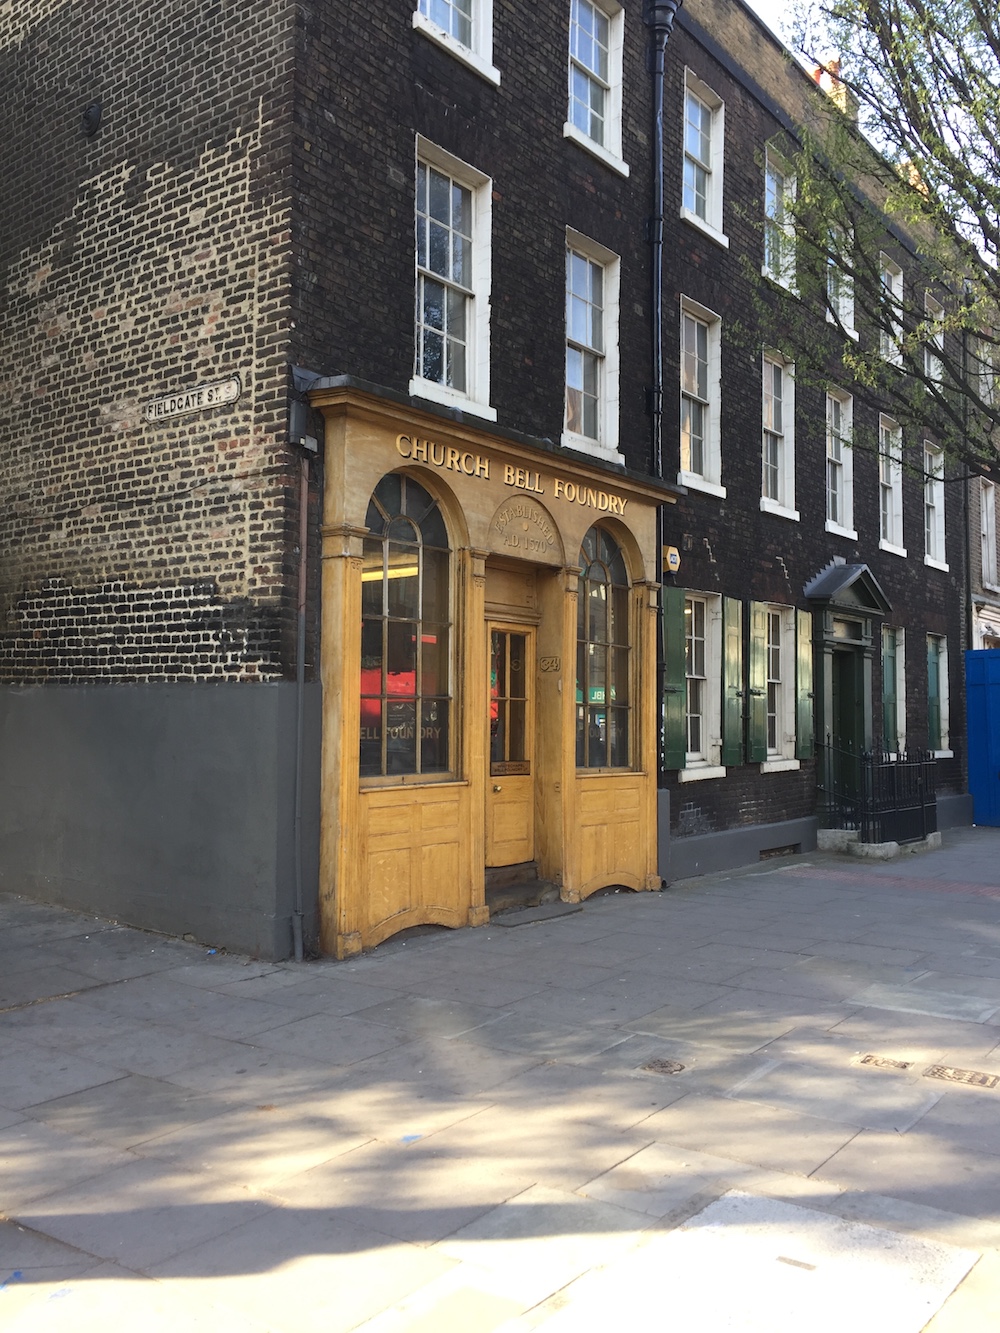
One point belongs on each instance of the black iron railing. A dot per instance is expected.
(885, 797)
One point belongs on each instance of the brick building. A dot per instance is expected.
(242, 231)
(222, 222)
(819, 602)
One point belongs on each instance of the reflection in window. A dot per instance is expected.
(405, 631)
(602, 655)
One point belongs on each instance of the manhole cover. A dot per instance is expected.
(970, 1076)
(663, 1067)
(884, 1062)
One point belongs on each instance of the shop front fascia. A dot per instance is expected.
(488, 650)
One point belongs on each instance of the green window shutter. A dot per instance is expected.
(674, 679)
(804, 727)
(889, 689)
(757, 700)
(732, 681)
(933, 693)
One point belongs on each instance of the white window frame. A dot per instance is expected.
(945, 752)
(988, 571)
(840, 285)
(478, 54)
(891, 279)
(983, 367)
(783, 505)
(781, 756)
(934, 515)
(609, 426)
(476, 398)
(900, 684)
(844, 526)
(934, 344)
(782, 229)
(705, 763)
(711, 224)
(610, 151)
(710, 478)
(890, 456)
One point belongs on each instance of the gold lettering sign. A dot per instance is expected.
(518, 478)
(510, 768)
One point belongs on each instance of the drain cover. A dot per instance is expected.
(970, 1076)
(663, 1067)
(884, 1062)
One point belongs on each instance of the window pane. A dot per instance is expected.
(434, 659)
(403, 583)
(371, 737)
(372, 582)
(434, 736)
(618, 719)
(401, 736)
(401, 658)
(435, 600)
(371, 656)
(517, 731)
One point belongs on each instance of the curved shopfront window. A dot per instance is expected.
(405, 633)
(602, 655)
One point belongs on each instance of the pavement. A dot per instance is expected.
(765, 1100)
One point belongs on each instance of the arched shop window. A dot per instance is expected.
(405, 633)
(602, 655)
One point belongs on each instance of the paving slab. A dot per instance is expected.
(542, 1239)
(426, 1017)
(139, 1214)
(786, 1268)
(917, 1037)
(36, 1159)
(914, 999)
(128, 1110)
(919, 1167)
(760, 1135)
(33, 1075)
(867, 1099)
(303, 1270)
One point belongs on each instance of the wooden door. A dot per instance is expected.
(510, 787)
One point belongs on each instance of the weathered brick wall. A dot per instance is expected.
(727, 545)
(151, 257)
(365, 91)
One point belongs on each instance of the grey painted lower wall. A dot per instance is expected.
(954, 809)
(728, 849)
(169, 807)
(706, 853)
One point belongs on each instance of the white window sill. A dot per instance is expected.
(583, 444)
(991, 587)
(700, 773)
(595, 149)
(892, 548)
(851, 333)
(706, 228)
(931, 563)
(440, 393)
(768, 506)
(943, 754)
(838, 531)
(786, 284)
(484, 68)
(695, 482)
(780, 766)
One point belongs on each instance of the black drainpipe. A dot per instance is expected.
(659, 18)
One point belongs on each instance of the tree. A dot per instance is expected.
(895, 160)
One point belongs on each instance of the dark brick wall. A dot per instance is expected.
(149, 257)
(364, 91)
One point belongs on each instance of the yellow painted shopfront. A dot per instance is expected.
(488, 645)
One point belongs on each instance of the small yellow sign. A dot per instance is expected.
(671, 559)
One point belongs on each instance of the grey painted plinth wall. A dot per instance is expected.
(169, 807)
(707, 853)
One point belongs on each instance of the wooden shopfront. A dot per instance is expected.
(488, 648)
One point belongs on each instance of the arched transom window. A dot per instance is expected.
(405, 633)
(603, 698)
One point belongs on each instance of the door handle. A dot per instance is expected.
(496, 786)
